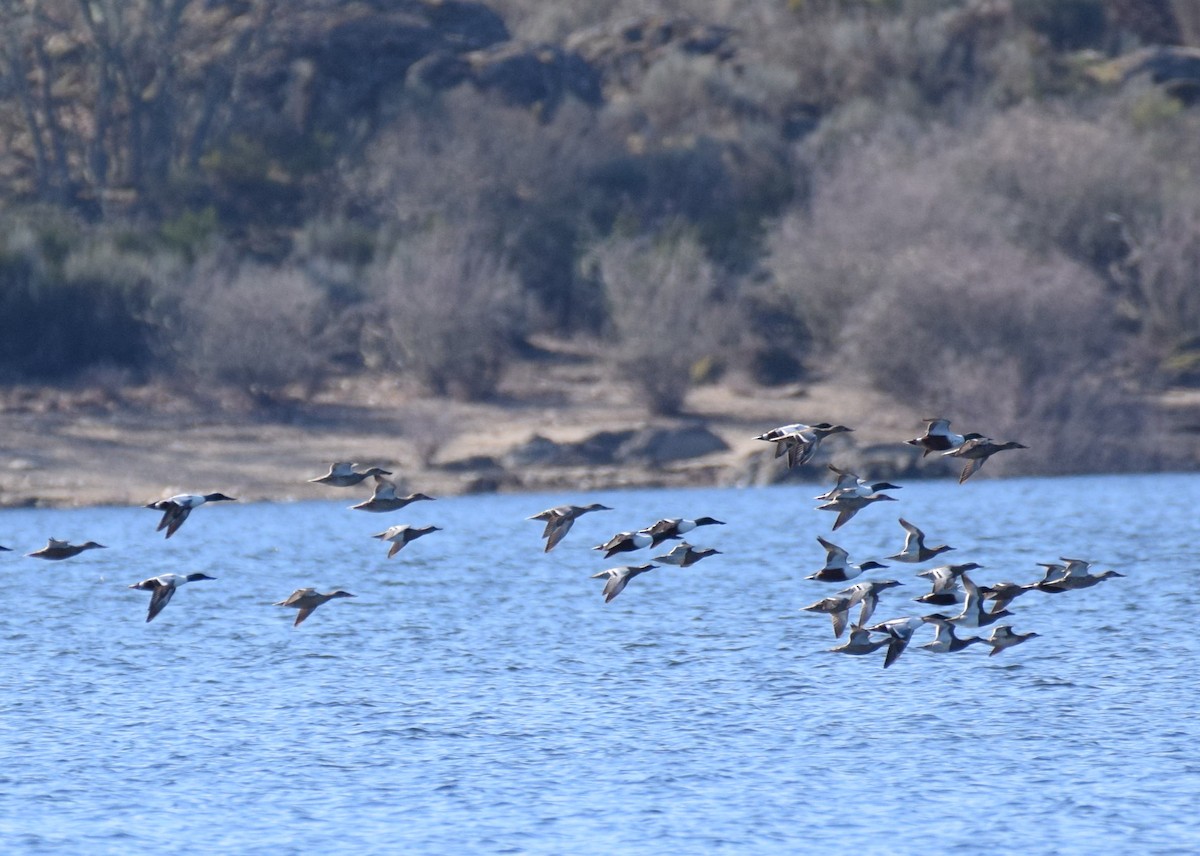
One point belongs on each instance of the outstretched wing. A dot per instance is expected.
(158, 601)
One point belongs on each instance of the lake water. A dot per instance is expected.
(479, 696)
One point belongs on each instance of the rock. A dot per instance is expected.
(657, 446)
(535, 76)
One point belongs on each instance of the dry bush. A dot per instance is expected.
(1009, 344)
(260, 329)
(660, 296)
(1067, 177)
(451, 311)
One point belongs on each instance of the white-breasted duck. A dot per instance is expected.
(973, 614)
(625, 542)
(387, 498)
(675, 527)
(849, 484)
(177, 508)
(937, 437)
(55, 549)
(1003, 637)
(945, 590)
(800, 441)
(618, 578)
(946, 642)
(977, 449)
(848, 505)
(308, 599)
(343, 474)
(162, 589)
(867, 593)
(561, 518)
(684, 555)
(914, 550)
(837, 607)
(838, 568)
(403, 534)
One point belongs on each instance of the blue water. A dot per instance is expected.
(479, 696)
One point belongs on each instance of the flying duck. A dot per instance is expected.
(945, 587)
(848, 505)
(1002, 594)
(56, 549)
(308, 599)
(945, 642)
(163, 589)
(860, 642)
(385, 498)
(4, 549)
(684, 554)
(836, 607)
(900, 632)
(625, 542)
(176, 509)
(560, 519)
(977, 449)
(849, 484)
(618, 578)
(342, 474)
(838, 568)
(675, 527)
(867, 593)
(403, 534)
(914, 550)
(973, 614)
(800, 441)
(1077, 581)
(937, 437)
(1003, 637)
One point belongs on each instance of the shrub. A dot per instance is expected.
(449, 309)
(660, 297)
(256, 328)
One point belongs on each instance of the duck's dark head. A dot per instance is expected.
(92, 545)
(595, 506)
(964, 567)
(218, 497)
(709, 521)
(417, 496)
(197, 577)
(885, 486)
(872, 565)
(887, 584)
(341, 593)
(376, 471)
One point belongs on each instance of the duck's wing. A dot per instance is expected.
(384, 488)
(835, 556)
(969, 469)
(556, 530)
(396, 547)
(303, 613)
(846, 512)
(839, 619)
(159, 599)
(914, 537)
(174, 518)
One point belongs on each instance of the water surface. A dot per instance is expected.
(479, 696)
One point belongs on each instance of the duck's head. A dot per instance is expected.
(872, 565)
(218, 497)
(709, 521)
(595, 506)
(92, 545)
(341, 593)
(192, 578)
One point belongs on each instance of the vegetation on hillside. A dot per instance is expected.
(990, 208)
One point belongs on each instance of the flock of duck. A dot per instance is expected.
(950, 584)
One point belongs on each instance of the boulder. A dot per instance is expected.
(657, 446)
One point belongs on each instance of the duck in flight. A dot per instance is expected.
(867, 593)
(838, 567)
(176, 509)
(163, 587)
(914, 550)
(618, 578)
(560, 519)
(800, 441)
(975, 450)
(1003, 637)
(56, 550)
(402, 535)
(850, 485)
(625, 542)
(308, 599)
(343, 474)
(675, 527)
(386, 498)
(684, 555)
(937, 437)
(848, 505)
(836, 607)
